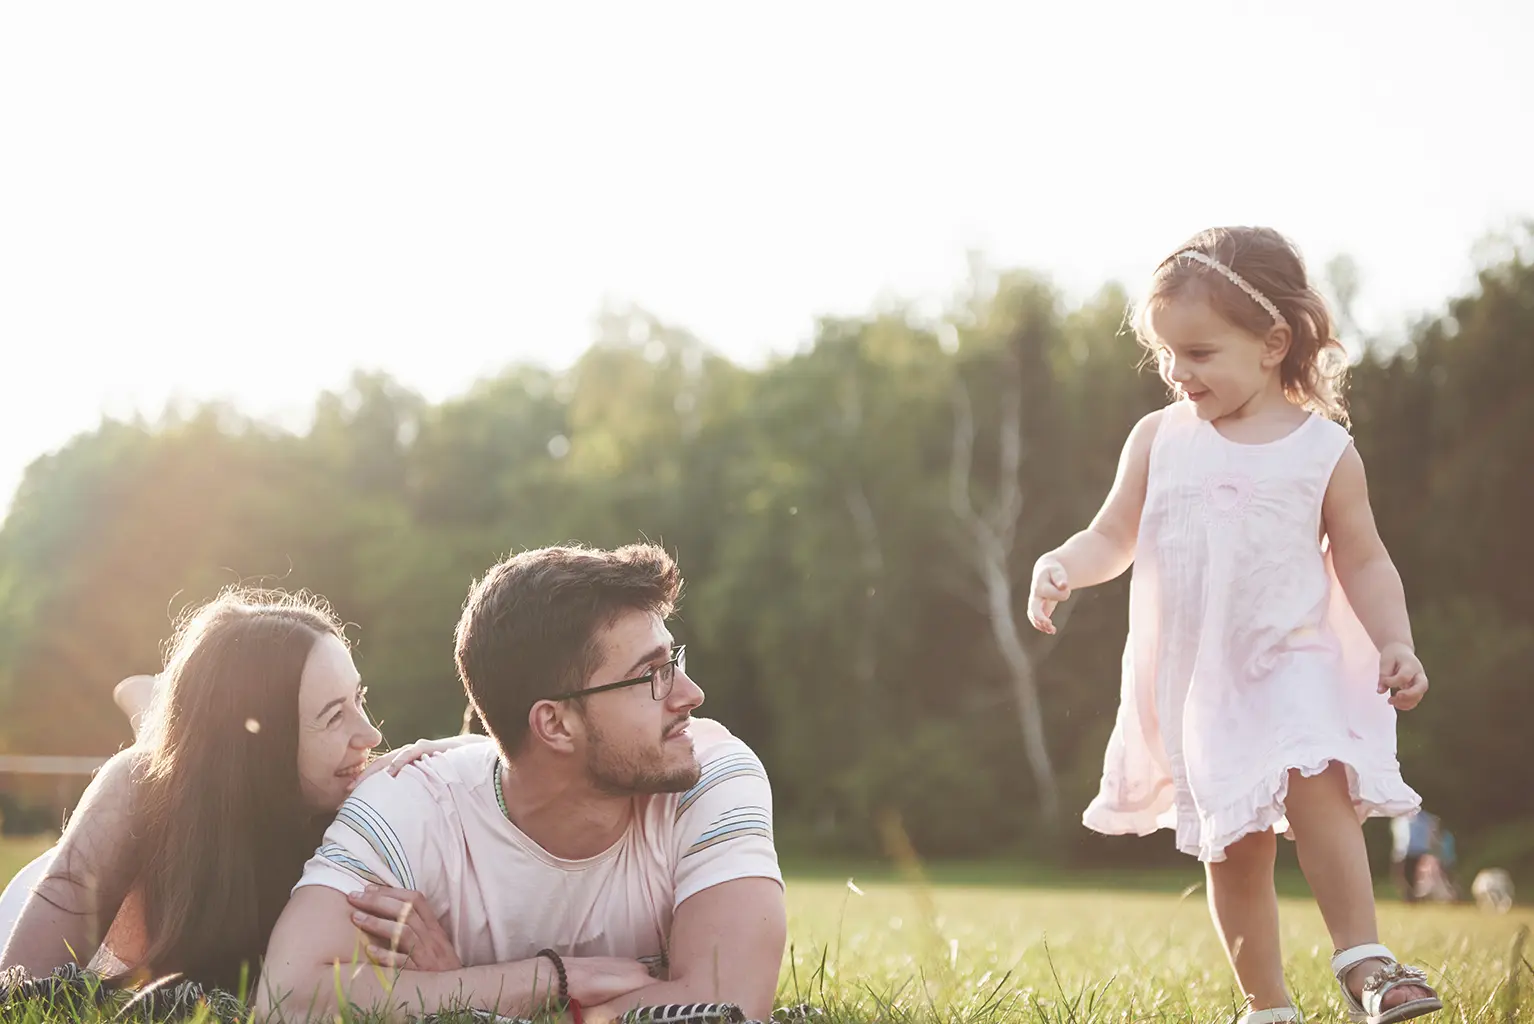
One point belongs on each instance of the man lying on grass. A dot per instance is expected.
(605, 851)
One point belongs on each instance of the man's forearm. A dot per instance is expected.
(726, 946)
(512, 990)
(685, 990)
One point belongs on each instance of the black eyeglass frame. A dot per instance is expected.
(677, 663)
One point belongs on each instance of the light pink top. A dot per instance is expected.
(1244, 658)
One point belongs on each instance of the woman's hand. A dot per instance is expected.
(403, 933)
(394, 760)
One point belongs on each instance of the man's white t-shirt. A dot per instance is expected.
(439, 827)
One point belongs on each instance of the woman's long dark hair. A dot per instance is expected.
(223, 828)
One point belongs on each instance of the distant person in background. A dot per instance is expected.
(1267, 622)
(184, 847)
(1448, 856)
(1435, 873)
(1411, 838)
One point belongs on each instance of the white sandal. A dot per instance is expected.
(1276, 1015)
(1369, 1009)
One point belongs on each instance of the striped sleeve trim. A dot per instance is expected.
(733, 766)
(736, 824)
(364, 820)
(342, 858)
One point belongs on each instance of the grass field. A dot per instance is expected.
(977, 944)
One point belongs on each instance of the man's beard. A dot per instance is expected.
(621, 774)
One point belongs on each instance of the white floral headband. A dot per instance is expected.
(1237, 280)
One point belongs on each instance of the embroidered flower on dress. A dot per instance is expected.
(1226, 495)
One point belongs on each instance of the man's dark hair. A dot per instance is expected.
(530, 627)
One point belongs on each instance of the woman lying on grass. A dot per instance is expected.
(184, 847)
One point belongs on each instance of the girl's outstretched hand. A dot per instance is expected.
(1050, 587)
(1402, 672)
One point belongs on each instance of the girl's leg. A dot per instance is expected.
(1331, 848)
(1244, 905)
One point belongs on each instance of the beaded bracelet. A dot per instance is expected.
(572, 1005)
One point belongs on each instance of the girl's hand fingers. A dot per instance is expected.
(1400, 671)
(1410, 695)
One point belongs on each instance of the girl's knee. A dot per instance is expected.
(1255, 849)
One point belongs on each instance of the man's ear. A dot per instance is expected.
(555, 724)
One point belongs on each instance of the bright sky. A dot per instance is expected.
(249, 201)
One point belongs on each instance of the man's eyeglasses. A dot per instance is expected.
(661, 679)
